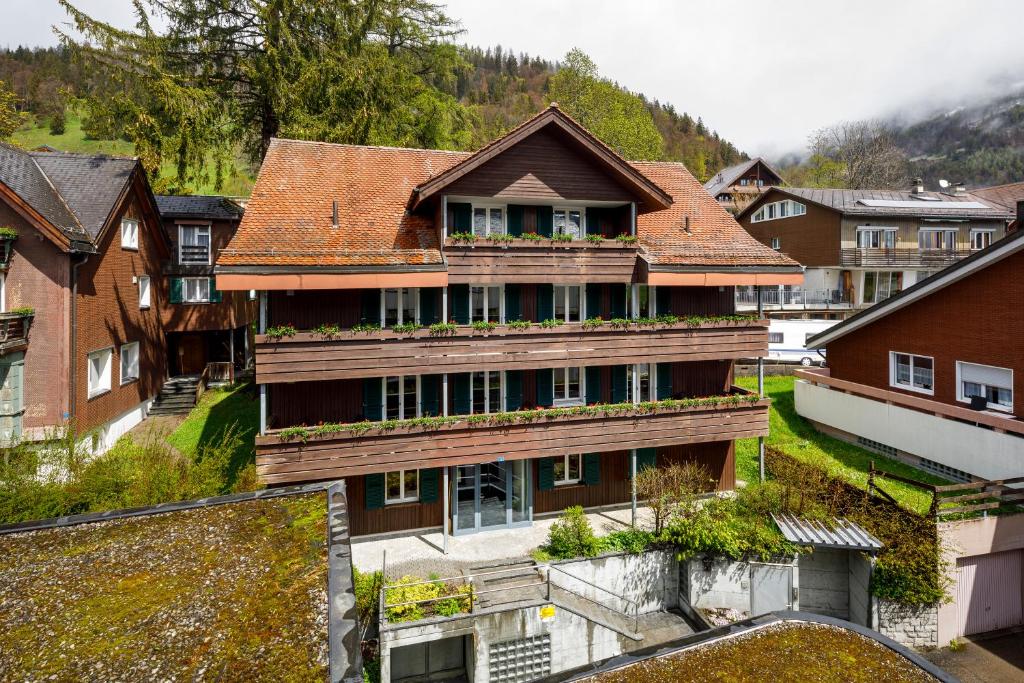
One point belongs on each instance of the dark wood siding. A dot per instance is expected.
(390, 517)
(701, 301)
(540, 263)
(305, 309)
(310, 403)
(812, 239)
(701, 378)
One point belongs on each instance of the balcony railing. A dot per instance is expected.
(916, 258)
(284, 456)
(308, 356)
(796, 298)
(14, 328)
(194, 254)
(539, 261)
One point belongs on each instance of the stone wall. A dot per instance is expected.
(915, 627)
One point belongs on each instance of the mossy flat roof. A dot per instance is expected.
(236, 591)
(784, 651)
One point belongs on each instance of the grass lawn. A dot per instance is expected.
(219, 410)
(795, 435)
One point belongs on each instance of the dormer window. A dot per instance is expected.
(569, 221)
(776, 210)
(488, 220)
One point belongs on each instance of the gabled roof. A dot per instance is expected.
(654, 196)
(890, 203)
(23, 176)
(1003, 196)
(206, 207)
(944, 278)
(729, 175)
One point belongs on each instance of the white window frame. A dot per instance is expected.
(567, 208)
(877, 273)
(145, 292)
(634, 383)
(944, 230)
(565, 480)
(99, 385)
(961, 397)
(975, 232)
(773, 211)
(776, 243)
(566, 400)
(883, 231)
(565, 301)
(403, 497)
(200, 227)
(401, 396)
(487, 228)
(909, 387)
(184, 290)
(127, 378)
(130, 233)
(487, 393)
(487, 294)
(413, 291)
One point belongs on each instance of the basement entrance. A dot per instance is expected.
(494, 495)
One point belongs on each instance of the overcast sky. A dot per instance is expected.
(763, 74)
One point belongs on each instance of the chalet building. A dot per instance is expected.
(737, 186)
(207, 330)
(424, 313)
(860, 247)
(81, 338)
(934, 374)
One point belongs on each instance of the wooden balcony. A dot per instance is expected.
(14, 328)
(308, 356)
(538, 262)
(912, 258)
(281, 460)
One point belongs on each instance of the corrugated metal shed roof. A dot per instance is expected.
(841, 534)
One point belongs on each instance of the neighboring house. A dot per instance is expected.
(205, 327)
(860, 247)
(1009, 197)
(935, 374)
(737, 186)
(83, 340)
(336, 236)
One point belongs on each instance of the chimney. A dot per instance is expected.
(334, 215)
(686, 225)
(918, 186)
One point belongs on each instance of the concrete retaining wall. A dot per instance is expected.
(726, 586)
(650, 579)
(860, 597)
(825, 583)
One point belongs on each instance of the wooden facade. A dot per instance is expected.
(531, 262)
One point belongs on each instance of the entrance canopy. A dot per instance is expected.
(841, 534)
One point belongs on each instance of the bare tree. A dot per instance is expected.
(672, 491)
(866, 154)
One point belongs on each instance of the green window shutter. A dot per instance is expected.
(514, 216)
(594, 220)
(513, 306)
(591, 468)
(513, 390)
(462, 400)
(545, 302)
(176, 297)
(645, 458)
(664, 381)
(545, 387)
(373, 485)
(618, 307)
(663, 300)
(545, 220)
(593, 377)
(429, 486)
(546, 474)
(462, 217)
(594, 300)
(429, 313)
(372, 399)
(216, 296)
(458, 302)
(619, 373)
(430, 391)
(369, 311)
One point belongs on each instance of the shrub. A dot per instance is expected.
(561, 237)
(594, 239)
(280, 331)
(23, 310)
(572, 536)
(8, 233)
(626, 239)
(412, 588)
(518, 324)
(630, 540)
(463, 237)
(593, 323)
(551, 322)
(367, 589)
(484, 326)
(58, 122)
(532, 236)
(620, 323)
(443, 329)
(672, 491)
(405, 328)
(501, 239)
(365, 327)
(327, 331)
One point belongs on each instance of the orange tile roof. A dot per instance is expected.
(715, 238)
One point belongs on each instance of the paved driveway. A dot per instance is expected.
(989, 660)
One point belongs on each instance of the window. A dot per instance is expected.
(401, 486)
(569, 222)
(744, 182)
(129, 362)
(994, 383)
(774, 337)
(568, 386)
(638, 305)
(981, 238)
(486, 391)
(567, 469)
(401, 397)
(784, 209)
(195, 290)
(400, 306)
(144, 291)
(776, 243)
(880, 286)
(907, 371)
(567, 303)
(488, 220)
(486, 303)
(640, 383)
(937, 238)
(876, 238)
(99, 372)
(194, 244)
(129, 233)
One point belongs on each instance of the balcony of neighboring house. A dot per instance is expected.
(343, 450)
(793, 299)
(339, 355)
(14, 330)
(925, 259)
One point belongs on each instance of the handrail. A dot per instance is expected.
(635, 604)
(593, 585)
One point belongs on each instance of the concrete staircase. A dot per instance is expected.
(177, 396)
(505, 583)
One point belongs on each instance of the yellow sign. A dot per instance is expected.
(547, 611)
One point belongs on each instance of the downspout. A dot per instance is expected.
(77, 261)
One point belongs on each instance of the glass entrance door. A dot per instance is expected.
(493, 495)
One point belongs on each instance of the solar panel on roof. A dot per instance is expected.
(916, 204)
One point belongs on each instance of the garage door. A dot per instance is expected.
(988, 592)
